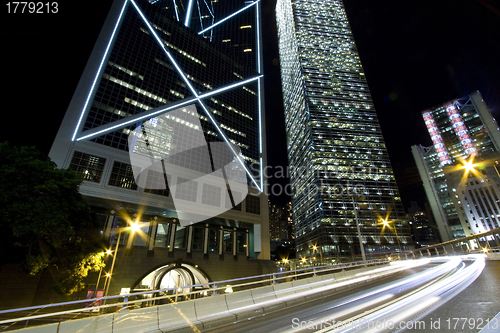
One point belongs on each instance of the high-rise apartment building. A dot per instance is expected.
(341, 174)
(159, 69)
(280, 221)
(465, 137)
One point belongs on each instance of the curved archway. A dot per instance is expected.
(172, 276)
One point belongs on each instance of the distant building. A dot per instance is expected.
(465, 136)
(341, 174)
(424, 229)
(280, 222)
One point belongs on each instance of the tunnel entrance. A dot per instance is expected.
(175, 276)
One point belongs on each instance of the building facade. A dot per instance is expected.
(281, 221)
(166, 84)
(424, 229)
(464, 136)
(341, 174)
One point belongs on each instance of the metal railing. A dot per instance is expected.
(35, 315)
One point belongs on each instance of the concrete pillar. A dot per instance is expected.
(247, 243)
(152, 235)
(429, 253)
(190, 239)
(173, 230)
(444, 249)
(221, 240)
(437, 252)
(205, 242)
(235, 248)
(109, 224)
(478, 244)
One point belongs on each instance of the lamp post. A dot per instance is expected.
(108, 252)
(387, 224)
(134, 227)
(361, 246)
(112, 264)
(320, 253)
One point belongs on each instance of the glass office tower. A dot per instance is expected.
(153, 62)
(340, 169)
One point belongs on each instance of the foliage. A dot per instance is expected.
(45, 222)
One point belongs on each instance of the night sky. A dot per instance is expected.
(416, 54)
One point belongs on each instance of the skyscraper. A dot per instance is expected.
(341, 174)
(463, 132)
(162, 68)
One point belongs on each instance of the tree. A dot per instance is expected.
(45, 222)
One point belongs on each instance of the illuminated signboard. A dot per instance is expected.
(460, 130)
(436, 138)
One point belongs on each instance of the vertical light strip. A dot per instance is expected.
(257, 19)
(259, 103)
(172, 60)
(228, 17)
(99, 71)
(259, 92)
(187, 21)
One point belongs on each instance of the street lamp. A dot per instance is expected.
(134, 227)
(386, 223)
(108, 252)
(320, 252)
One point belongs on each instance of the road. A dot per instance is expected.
(411, 300)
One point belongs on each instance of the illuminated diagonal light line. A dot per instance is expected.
(234, 85)
(199, 13)
(137, 119)
(162, 45)
(99, 71)
(165, 109)
(228, 17)
(176, 12)
(195, 93)
(221, 132)
(208, 7)
(187, 21)
(213, 17)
